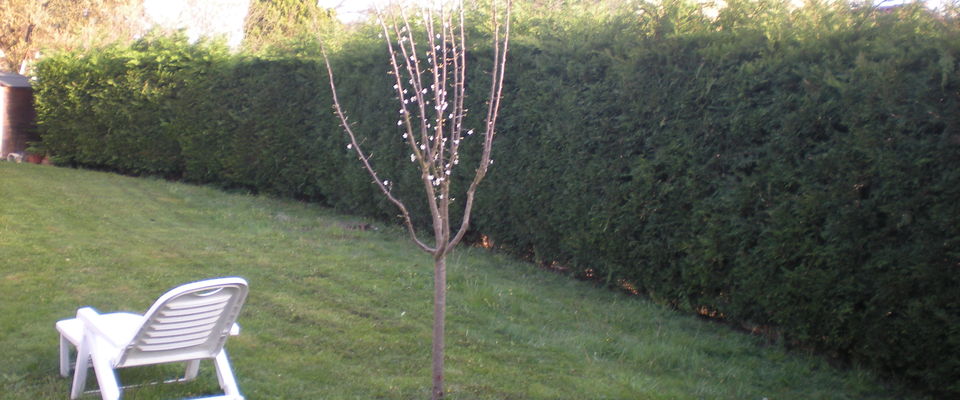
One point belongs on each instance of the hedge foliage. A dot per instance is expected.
(772, 166)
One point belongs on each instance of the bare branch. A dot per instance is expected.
(424, 153)
(366, 161)
(496, 94)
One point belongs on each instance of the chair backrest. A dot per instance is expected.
(190, 322)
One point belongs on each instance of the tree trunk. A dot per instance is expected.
(439, 315)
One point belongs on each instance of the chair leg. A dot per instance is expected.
(193, 367)
(64, 357)
(225, 375)
(106, 378)
(80, 370)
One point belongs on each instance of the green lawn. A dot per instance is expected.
(335, 313)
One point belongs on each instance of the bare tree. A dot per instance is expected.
(430, 75)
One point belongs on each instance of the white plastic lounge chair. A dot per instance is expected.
(187, 324)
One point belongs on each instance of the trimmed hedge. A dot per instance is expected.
(808, 182)
(112, 108)
(795, 169)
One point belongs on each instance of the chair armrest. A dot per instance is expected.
(92, 322)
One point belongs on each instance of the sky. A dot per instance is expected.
(348, 10)
(201, 17)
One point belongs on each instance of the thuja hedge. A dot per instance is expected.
(111, 108)
(795, 169)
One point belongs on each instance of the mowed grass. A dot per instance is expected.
(335, 313)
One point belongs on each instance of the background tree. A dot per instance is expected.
(279, 23)
(428, 62)
(29, 26)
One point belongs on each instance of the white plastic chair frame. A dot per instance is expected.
(188, 324)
